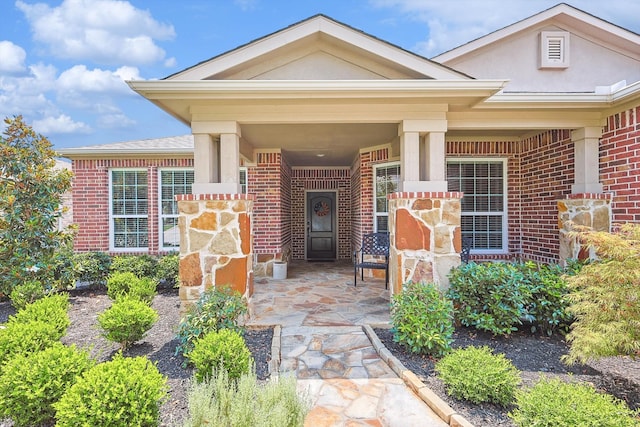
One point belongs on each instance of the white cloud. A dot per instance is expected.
(246, 4)
(61, 124)
(80, 79)
(13, 57)
(27, 94)
(104, 31)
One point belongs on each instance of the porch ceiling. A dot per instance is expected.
(326, 144)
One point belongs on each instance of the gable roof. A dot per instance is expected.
(618, 37)
(176, 145)
(327, 29)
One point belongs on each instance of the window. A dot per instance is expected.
(554, 49)
(386, 181)
(243, 180)
(483, 216)
(129, 225)
(172, 182)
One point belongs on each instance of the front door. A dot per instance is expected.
(321, 226)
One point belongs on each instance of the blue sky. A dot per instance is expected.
(63, 63)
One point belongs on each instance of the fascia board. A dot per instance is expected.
(72, 153)
(547, 100)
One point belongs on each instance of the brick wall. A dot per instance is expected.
(91, 199)
(367, 161)
(620, 164)
(265, 182)
(356, 204)
(321, 179)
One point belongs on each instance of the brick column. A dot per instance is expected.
(591, 210)
(215, 243)
(425, 237)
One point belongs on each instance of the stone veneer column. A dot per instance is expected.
(591, 210)
(425, 237)
(215, 243)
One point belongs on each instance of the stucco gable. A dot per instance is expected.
(318, 48)
(599, 54)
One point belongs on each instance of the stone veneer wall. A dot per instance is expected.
(215, 243)
(425, 237)
(587, 210)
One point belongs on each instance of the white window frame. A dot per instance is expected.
(112, 217)
(377, 214)
(504, 212)
(244, 188)
(560, 42)
(162, 216)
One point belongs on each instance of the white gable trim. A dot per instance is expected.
(323, 25)
(610, 33)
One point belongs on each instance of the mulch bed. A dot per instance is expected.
(533, 355)
(158, 345)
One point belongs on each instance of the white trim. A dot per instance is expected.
(112, 247)
(374, 183)
(555, 49)
(505, 211)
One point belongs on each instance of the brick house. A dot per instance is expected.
(307, 138)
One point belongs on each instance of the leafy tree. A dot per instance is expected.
(605, 297)
(31, 192)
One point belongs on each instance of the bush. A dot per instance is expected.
(220, 402)
(121, 392)
(30, 384)
(65, 270)
(52, 309)
(217, 308)
(477, 375)
(224, 349)
(23, 338)
(26, 293)
(126, 321)
(167, 270)
(552, 402)
(604, 297)
(422, 319)
(140, 265)
(129, 285)
(92, 267)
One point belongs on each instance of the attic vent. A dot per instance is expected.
(554, 49)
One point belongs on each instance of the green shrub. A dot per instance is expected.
(65, 270)
(121, 392)
(604, 297)
(92, 267)
(477, 375)
(221, 402)
(23, 338)
(422, 319)
(26, 293)
(126, 321)
(167, 270)
(217, 308)
(31, 383)
(554, 403)
(224, 349)
(128, 284)
(140, 265)
(52, 309)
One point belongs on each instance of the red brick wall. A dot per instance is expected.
(367, 161)
(265, 182)
(321, 179)
(285, 207)
(91, 199)
(356, 205)
(620, 164)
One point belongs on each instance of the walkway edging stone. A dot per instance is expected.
(276, 344)
(439, 406)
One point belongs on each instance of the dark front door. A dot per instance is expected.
(321, 226)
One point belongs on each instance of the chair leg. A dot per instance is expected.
(355, 276)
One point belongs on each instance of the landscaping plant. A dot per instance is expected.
(23, 338)
(126, 321)
(605, 297)
(478, 375)
(124, 391)
(554, 403)
(127, 284)
(53, 309)
(223, 350)
(221, 402)
(167, 270)
(31, 191)
(140, 265)
(26, 293)
(217, 308)
(92, 267)
(31, 383)
(422, 319)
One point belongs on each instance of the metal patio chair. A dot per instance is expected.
(373, 244)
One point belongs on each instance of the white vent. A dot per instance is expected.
(554, 49)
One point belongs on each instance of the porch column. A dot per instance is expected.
(216, 159)
(425, 238)
(586, 158)
(422, 155)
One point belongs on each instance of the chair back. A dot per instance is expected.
(375, 244)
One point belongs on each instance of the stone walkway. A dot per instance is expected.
(322, 341)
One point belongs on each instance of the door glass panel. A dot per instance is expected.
(321, 215)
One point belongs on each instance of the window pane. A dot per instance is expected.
(386, 181)
(382, 223)
(172, 182)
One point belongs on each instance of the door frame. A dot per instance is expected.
(306, 216)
